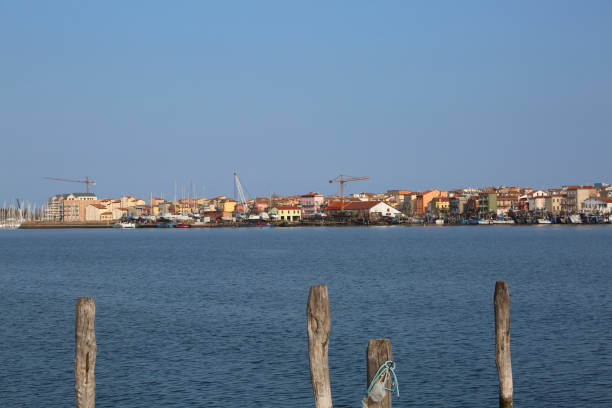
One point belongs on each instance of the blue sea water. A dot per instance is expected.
(217, 317)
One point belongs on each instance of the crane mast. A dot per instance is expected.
(342, 179)
(239, 193)
(87, 181)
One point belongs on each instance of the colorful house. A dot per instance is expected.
(287, 213)
(311, 203)
(423, 199)
(440, 205)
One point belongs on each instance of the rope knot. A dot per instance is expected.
(377, 390)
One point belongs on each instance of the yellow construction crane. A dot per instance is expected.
(87, 181)
(340, 179)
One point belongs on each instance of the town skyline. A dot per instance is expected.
(200, 191)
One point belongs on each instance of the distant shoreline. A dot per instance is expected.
(104, 224)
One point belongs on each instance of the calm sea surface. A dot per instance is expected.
(217, 318)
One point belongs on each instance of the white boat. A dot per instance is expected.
(544, 221)
(439, 221)
(10, 224)
(575, 219)
(485, 222)
(504, 221)
(11, 217)
(124, 225)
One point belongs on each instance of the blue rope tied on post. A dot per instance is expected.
(377, 394)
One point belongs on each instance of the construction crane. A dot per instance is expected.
(87, 181)
(341, 179)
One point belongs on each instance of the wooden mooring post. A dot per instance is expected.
(85, 355)
(378, 352)
(501, 301)
(319, 327)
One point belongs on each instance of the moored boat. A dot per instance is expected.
(485, 222)
(124, 225)
(439, 221)
(544, 221)
(182, 225)
(504, 221)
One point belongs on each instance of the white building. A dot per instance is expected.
(598, 205)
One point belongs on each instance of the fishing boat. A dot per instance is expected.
(124, 225)
(504, 221)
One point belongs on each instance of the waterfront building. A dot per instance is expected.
(289, 213)
(440, 205)
(554, 201)
(598, 205)
(93, 212)
(68, 205)
(488, 202)
(74, 206)
(537, 202)
(505, 203)
(576, 196)
(371, 210)
(423, 199)
(311, 204)
(472, 206)
(54, 210)
(457, 205)
(226, 205)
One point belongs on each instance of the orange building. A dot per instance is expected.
(423, 199)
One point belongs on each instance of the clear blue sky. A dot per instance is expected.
(416, 95)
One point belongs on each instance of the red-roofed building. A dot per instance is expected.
(576, 196)
(287, 213)
(364, 209)
(423, 199)
(601, 205)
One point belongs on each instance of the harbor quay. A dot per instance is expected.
(574, 204)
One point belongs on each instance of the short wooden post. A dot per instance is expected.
(503, 362)
(85, 356)
(379, 351)
(319, 327)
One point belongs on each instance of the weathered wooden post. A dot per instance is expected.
(319, 327)
(378, 352)
(503, 362)
(85, 356)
